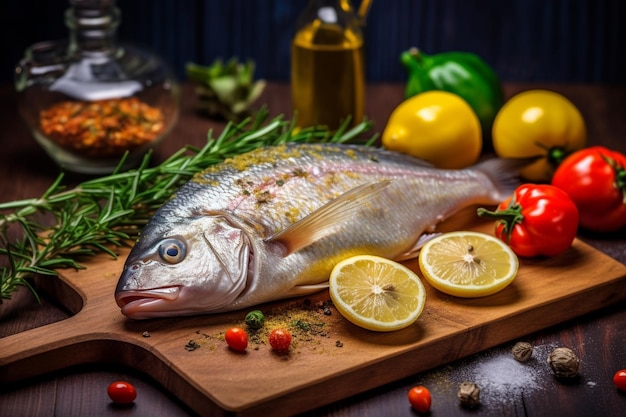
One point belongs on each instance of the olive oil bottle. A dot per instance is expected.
(327, 65)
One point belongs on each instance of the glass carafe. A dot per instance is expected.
(89, 100)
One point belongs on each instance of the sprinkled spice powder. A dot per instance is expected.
(503, 381)
(105, 128)
(306, 321)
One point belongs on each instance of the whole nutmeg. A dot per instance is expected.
(522, 351)
(469, 394)
(564, 362)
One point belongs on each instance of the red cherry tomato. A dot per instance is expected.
(122, 392)
(420, 399)
(619, 379)
(237, 339)
(595, 179)
(280, 340)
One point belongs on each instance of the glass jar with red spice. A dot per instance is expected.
(91, 103)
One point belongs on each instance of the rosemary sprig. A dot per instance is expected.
(66, 226)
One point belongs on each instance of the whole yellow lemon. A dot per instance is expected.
(436, 126)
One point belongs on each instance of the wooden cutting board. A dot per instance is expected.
(341, 361)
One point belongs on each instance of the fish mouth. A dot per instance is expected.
(154, 302)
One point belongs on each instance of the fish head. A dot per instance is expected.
(197, 265)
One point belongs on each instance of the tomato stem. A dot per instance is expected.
(556, 155)
(509, 217)
(620, 176)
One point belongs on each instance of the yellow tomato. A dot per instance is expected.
(436, 126)
(538, 123)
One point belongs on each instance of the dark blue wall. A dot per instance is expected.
(524, 40)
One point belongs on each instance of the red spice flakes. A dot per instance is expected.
(105, 128)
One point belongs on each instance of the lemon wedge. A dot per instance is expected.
(376, 293)
(468, 264)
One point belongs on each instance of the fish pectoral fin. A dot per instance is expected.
(300, 290)
(415, 249)
(321, 222)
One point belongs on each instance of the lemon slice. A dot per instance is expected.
(468, 264)
(376, 293)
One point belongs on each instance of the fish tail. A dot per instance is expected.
(504, 175)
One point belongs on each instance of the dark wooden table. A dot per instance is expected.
(509, 389)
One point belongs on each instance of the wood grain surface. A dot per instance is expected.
(58, 358)
(545, 292)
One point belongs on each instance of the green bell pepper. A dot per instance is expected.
(461, 73)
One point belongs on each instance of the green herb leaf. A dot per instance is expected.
(66, 226)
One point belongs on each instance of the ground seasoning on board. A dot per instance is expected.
(306, 321)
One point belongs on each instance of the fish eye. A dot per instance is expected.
(172, 251)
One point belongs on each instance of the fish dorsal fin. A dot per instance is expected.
(321, 222)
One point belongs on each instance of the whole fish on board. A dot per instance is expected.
(272, 223)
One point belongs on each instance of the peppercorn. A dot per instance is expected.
(255, 319)
(191, 346)
(469, 394)
(522, 351)
(564, 363)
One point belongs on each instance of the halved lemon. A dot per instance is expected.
(376, 293)
(468, 264)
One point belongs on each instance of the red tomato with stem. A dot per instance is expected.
(619, 379)
(237, 339)
(420, 399)
(536, 220)
(121, 392)
(595, 179)
(280, 340)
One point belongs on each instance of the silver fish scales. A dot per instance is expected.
(272, 223)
